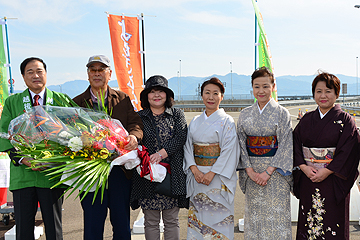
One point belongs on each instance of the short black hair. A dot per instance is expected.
(145, 100)
(331, 81)
(215, 81)
(26, 61)
(262, 72)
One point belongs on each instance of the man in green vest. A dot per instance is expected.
(30, 185)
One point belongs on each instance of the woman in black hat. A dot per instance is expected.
(165, 132)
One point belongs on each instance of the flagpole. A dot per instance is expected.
(255, 38)
(143, 43)
(8, 52)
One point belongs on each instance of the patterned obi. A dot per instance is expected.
(261, 146)
(206, 154)
(318, 157)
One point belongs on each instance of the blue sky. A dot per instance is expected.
(207, 35)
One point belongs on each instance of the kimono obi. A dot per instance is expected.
(259, 146)
(206, 154)
(318, 157)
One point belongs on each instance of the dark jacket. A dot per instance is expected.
(119, 103)
(143, 188)
(120, 107)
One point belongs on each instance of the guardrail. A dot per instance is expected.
(350, 103)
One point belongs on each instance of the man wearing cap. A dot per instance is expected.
(117, 195)
(31, 185)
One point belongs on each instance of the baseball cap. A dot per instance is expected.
(99, 58)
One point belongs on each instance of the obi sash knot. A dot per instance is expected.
(259, 146)
(318, 157)
(206, 154)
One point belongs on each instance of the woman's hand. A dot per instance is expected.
(208, 177)
(199, 176)
(308, 170)
(155, 158)
(158, 156)
(263, 178)
(321, 175)
(252, 174)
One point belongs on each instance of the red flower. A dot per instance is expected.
(110, 143)
(97, 145)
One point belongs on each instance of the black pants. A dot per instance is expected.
(117, 199)
(25, 207)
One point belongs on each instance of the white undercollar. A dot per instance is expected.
(321, 114)
(261, 110)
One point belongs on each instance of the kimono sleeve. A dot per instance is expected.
(298, 156)
(346, 155)
(283, 158)
(297, 144)
(241, 135)
(189, 150)
(228, 160)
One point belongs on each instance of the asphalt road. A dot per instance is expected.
(73, 218)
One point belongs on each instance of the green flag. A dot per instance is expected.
(263, 46)
(4, 92)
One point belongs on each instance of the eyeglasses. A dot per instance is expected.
(100, 70)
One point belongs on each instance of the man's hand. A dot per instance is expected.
(133, 144)
(26, 162)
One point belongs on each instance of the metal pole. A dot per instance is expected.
(180, 81)
(178, 85)
(357, 83)
(143, 43)
(231, 81)
(255, 40)
(8, 52)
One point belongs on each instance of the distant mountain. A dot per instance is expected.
(74, 88)
(241, 85)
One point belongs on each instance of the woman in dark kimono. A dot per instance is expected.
(325, 161)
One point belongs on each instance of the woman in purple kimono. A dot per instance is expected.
(325, 164)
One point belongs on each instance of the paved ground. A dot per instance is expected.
(73, 218)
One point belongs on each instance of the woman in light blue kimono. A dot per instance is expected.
(211, 154)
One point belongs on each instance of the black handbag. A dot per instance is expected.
(164, 187)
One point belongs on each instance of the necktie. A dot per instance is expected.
(36, 100)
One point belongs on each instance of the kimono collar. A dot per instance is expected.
(218, 113)
(271, 104)
(261, 110)
(323, 115)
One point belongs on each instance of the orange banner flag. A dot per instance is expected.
(125, 41)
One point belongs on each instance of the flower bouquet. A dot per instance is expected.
(78, 145)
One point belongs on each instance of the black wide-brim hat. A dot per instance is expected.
(158, 82)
